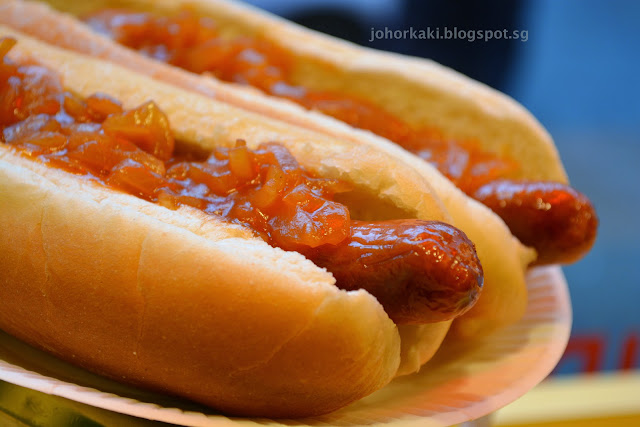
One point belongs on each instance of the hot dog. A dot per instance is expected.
(504, 291)
(121, 254)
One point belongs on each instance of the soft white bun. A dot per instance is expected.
(183, 302)
(420, 91)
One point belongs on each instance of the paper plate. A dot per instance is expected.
(465, 382)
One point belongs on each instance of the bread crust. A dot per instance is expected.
(101, 284)
(504, 259)
(183, 302)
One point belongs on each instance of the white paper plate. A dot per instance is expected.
(465, 382)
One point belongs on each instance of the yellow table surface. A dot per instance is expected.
(593, 400)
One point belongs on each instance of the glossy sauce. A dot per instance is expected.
(134, 151)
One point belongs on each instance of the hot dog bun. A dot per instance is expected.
(182, 302)
(504, 259)
(418, 90)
